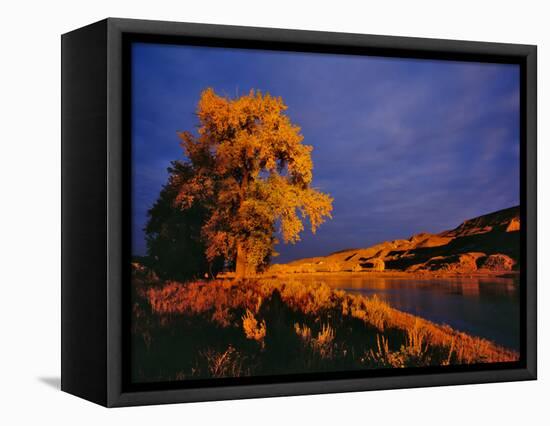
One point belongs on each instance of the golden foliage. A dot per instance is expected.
(250, 165)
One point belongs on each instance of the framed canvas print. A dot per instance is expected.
(253, 212)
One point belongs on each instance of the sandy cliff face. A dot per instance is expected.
(485, 243)
(506, 220)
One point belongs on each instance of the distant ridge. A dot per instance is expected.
(487, 243)
(486, 223)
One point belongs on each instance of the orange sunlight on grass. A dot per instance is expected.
(315, 327)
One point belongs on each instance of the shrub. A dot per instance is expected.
(253, 329)
(323, 343)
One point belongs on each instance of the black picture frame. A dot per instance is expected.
(95, 209)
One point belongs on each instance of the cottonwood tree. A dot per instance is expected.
(253, 174)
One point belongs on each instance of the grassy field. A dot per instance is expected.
(276, 326)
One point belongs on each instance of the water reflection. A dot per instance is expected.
(483, 306)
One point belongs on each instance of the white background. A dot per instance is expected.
(30, 213)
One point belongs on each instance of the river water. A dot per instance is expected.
(482, 306)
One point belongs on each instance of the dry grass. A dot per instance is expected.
(228, 363)
(294, 328)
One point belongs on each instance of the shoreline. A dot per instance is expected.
(382, 274)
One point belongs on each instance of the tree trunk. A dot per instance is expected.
(242, 269)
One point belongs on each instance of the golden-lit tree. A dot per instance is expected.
(252, 170)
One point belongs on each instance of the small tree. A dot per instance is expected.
(253, 174)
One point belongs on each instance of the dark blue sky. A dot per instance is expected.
(404, 146)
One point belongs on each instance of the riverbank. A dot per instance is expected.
(276, 326)
(395, 274)
(377, 274)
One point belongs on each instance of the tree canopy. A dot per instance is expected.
(250, 171)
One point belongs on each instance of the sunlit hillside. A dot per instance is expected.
(484, 244)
